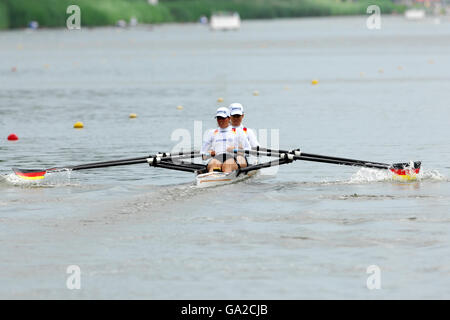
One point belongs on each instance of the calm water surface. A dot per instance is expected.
(309, 231)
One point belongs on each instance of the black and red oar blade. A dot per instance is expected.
(406, 171)
(30, 174)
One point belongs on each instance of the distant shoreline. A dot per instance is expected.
(17, 14)
(150, 26)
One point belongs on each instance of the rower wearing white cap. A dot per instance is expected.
(221, 143)
(237, 115)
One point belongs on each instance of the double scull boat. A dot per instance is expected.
(178, 161)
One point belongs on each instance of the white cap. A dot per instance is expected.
(223, 112)
(236, 108)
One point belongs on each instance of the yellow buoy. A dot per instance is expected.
(315, 81)
(361, 74)
(180, 107)
(256, 93)
(78, 125)
(380, 70)
(133, 115)
(220, 100)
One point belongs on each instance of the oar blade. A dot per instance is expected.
(30, 174)
(406, 171)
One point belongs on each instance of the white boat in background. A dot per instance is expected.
(225, 21)
(415, 14)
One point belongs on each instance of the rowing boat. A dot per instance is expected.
(406, 171)
(212, 179)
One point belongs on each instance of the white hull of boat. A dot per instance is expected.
(212, 179)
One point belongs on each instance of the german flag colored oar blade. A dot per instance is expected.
(36, 174)
(30, 174)
(406, 171)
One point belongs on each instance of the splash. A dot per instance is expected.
(365, 175)
(432, 175)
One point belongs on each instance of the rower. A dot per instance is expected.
(220, 144)
(237, 115)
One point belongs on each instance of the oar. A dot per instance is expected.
(404, 170)
(333, 160)
(298, 152)
(35, 174)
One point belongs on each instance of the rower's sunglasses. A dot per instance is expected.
(221, 118)
(237, 115)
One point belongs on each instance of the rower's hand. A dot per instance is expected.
(230, 149)
(212, 153)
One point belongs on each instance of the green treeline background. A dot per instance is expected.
(52, 13)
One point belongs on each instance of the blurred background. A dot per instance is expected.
(51, 13)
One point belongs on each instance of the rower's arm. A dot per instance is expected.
(207, 143)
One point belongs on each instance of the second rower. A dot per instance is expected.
(237, 115)
(220, 144)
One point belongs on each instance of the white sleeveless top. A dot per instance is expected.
(220, 140)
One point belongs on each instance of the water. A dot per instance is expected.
(310, 231)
